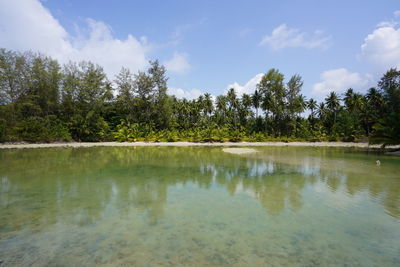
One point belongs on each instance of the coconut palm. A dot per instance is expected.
(349, 98)
(246, 101)
(375, 98)
(231, 97)
(322, 111)
(312, 106)
(358, 102)
(221, 106)
(333, 104)
(208, 104)
(301, 104)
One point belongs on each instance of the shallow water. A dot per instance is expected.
(149, 206)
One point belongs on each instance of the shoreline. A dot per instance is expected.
(189, 144)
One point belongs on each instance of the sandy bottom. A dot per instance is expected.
(186, 144)
(239, 150)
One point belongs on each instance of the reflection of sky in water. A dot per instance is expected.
(257, 169)
(310, 167)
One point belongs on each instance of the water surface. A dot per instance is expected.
(150, 206)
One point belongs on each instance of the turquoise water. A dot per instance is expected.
(176, 206)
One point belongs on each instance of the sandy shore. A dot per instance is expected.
(239, 150)
(186, 144)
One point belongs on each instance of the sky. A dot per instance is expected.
(211, 46)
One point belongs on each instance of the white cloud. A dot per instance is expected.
(396, 13)
(382, 46)
(28, 25)
(188, 94)
(248, 88)
(339, 80)
(179, 63)
(283, 37)
(390, 24)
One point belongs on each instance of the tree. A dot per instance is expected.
(43, 101)
(373, 109)
(256, 100)
(273, 90)
(208, 104)
(221, 108)
(163, 109)
(125, 88)
(387, 130)
(348, 98)
(244, 110)
(85, 91)
(295, 101)
(233, 105)
(333, 104)
(43, 90)
(312, 106)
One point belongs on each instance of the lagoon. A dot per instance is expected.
(171, 206)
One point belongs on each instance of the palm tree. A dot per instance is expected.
(333, 104)
(373, 108)
(232, 99)
(312, 106)
(375, 98)
(208, 104)
(246, 101)
(233, 104)
(358, 102)
(200, 105)
(244, 109)
(301, 104)
(267, 102)
(322, 111)
(221, 106)
(349, 99)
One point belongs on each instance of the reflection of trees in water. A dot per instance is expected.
(79, 186)
(275, 187)
(387, 191)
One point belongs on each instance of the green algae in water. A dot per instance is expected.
(150, 206)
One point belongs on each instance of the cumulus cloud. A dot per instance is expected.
(179, 63)
(284, 37)
(248, 88)
(339, 80)
(382, 46)
(28, 25)
(188, 94)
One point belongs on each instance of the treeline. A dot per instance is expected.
(40, 100)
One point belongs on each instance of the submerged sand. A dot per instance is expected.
(186, 144)
(239, 150)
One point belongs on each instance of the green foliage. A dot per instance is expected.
(387, 129)
(39, 129)
(42, 101)
(3, 128)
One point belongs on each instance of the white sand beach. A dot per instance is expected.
(187, 144)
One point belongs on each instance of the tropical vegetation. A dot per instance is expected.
(43, 101)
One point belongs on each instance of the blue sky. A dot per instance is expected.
(209, 46)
